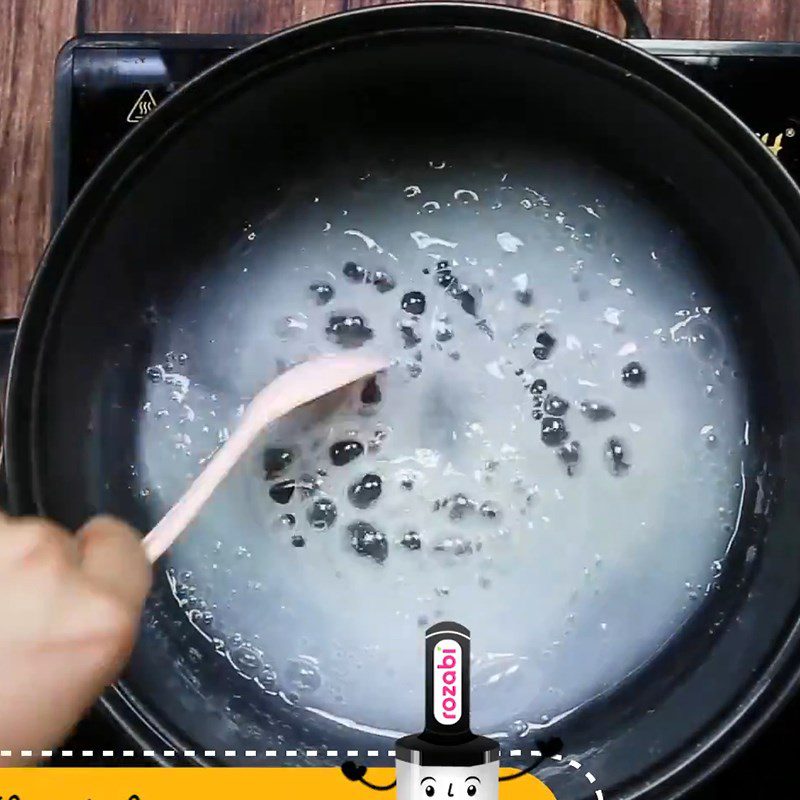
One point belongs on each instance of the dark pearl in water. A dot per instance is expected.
(570, 455)
(322, 293)
(371, 393)
(595, 411)
(365, 492)
(282, 492)
(413, 303)
(383, 281)
(276, 460)
(444, 275)
(539, 387)
(354, 272)
(367, 541)
(555, 405)
(348, 330)
(615, 457)
(544, 346)
(554, 431)
(410, 336)
(322, 513)
(633, 374)
(460, 506)
(411, 540)
(344, 452)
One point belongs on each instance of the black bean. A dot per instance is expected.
(345, 451)
(539, 387)
(555, 405)
(383, 281)
(371, 393)
(524, 297)
(413, 302)
(322, 513)
(348, 330)
(298, 540)
(596, 411)
(615, 457)
(460, 506)
(411, 540)
(276, 460)
(633, 374)
(554, 431)
(544, 347)
(354, 272)
(410, 336)
(282, 491)
(366, 491)
(322, 293)
(367, 541)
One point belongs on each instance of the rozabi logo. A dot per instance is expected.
(447, 682)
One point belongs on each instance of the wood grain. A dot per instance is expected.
(31, 31)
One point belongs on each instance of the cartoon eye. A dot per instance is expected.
(429, 790)
(472, 790)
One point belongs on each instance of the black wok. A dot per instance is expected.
(156, 220)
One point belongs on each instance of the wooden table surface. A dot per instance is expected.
(31, 32)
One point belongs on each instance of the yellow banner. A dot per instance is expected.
(217, 783)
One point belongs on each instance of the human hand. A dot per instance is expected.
(70, 612)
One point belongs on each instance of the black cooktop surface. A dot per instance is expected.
(106, 84)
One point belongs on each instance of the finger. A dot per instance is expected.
(31, 538)
(113, 557)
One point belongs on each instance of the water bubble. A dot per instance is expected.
(554, 431)
(354, 272)
(633, 374)
(595, 411)
(367, 541)
(288, 520)
(615, 456)
(282, 491)
(322, 513)
(489, 510)
(455, 546)
(348, 330)
(302, 675)
(155, 373)
(366, 491)
(413, 302)
(322, 293)
(344, 452)
(276, 460)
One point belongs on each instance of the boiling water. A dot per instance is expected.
(572, 560)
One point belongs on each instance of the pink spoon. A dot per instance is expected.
(295, 387)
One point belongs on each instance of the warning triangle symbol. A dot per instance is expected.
(144, 104)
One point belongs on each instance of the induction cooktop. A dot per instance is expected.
(105, 85)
